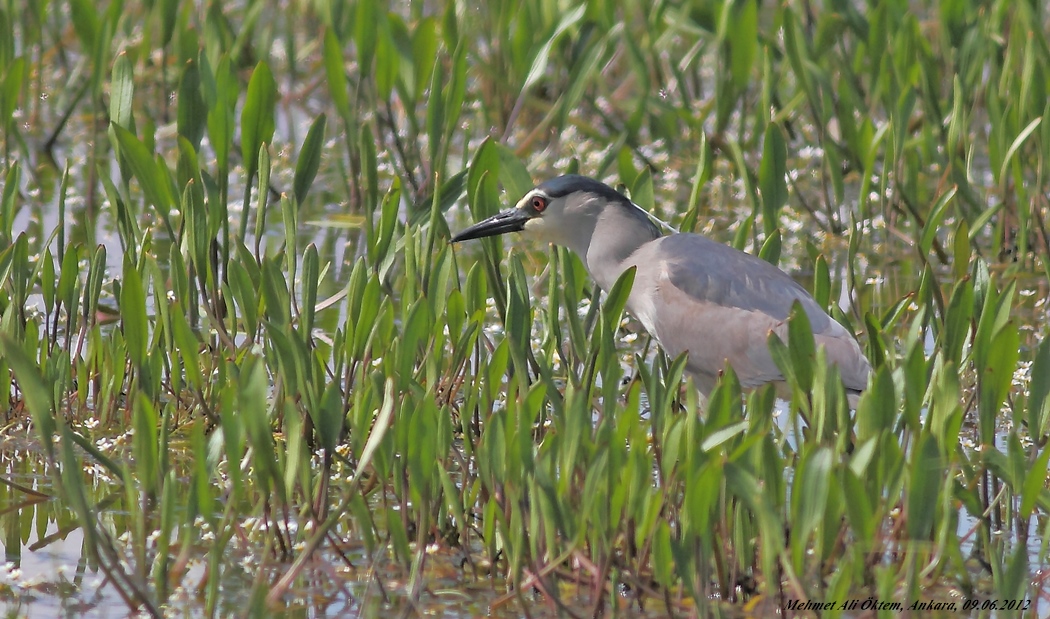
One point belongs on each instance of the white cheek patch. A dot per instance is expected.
(543, 230)
(537, 228)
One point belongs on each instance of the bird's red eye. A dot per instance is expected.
(539, 203)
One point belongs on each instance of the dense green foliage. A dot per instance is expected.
(223, 237)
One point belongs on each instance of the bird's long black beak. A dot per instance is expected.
(510, 220)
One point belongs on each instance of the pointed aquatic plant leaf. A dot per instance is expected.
(926, 473)
(11, 88)
(424, 52)
(821, 282)
(366, 33)
(335, 72)
(145, 444)
(153, 180)
(770, 251)
(513, 174)
(542, 55)
(934, 219)
(642, 192)
(1039, 389)
(772, 175)
(809, 499)
(331, 418)
(220, 114)
(875, 411)
(308, 284)
(388, 62)
(253, 412)
(257, 116)
(309, 159)
(616, 300)
(743, 41)
(122, 91)
(38, 398)
(133, 314)
(802, 346)
(192, 111)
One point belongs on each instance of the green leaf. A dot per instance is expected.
(133, 313)
(122, 91)
(145, 444)
(821, 282)
(484, 168)
(309, 159)
(513, 174)
(169, 11)
(154, 181)
(74, 493)
(84, 17)
(68, 279)
(331, 417)
(370, 167)
(927, 471)
(801, 346)
(961, 249)
(187, 345)
(38, 397)
(995, 378)
(719, 437)
(436, 120)
(1039, 390)
(308, 285)
(253, 412)
(875, 411)
(957, 320)
(336, 75)
(585, 70)
(192, 112)
(772, 175)
(379, 429)
(542, 55)
(642, 192)
(743, 41)
(933, 222)
(275, 293)
(424, 53)
(454, 93)
(1034, 483)
(616, 299)
(7, 203)
(366, 29)
(858, 507)
(220, 115)
(519, 313)
(257, 117)
(1014, 147)
(387, 61)
(770, 250)
(809, 499)
(48, 280)
(388, 219)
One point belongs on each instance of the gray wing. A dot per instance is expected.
(716, 273)
(720, 304)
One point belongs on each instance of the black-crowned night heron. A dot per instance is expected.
(691, 293)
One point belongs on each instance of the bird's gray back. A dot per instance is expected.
(720, 304)
(715, 273)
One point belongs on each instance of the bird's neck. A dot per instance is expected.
(617, 236)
